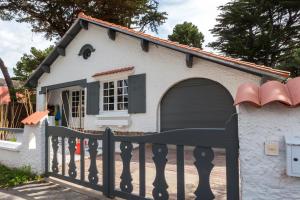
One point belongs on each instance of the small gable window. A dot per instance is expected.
(86, 51)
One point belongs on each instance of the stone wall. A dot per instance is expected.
(263, 176)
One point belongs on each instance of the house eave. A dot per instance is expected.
(64, 42)
(76, 27)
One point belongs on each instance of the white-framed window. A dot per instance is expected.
(122, 94)
(115, 95)
(109, 96)
(77, 99)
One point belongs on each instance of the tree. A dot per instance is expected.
(55, 17)
(29, 62)
(292, 64)
(188, 34)
(8, 80)
(264, 32)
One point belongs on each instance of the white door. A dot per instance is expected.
(77, 111)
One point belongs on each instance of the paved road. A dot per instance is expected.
(44, 190)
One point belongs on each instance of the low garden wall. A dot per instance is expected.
(264, 176)
(28, 150)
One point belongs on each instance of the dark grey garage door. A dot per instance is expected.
(196, 103)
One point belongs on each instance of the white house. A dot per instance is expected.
(101, 74)
(104, 75)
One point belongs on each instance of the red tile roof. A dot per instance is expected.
(196, 50)
(272, 91)
(114, 71)
(294, 90)
(248, 93)
(35, 118)
(4, 95)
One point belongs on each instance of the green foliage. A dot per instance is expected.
(13, 139)
(55, 17)
(29, 62)
(292, 64)
(188, 34)
(12, 177)
(264, 32)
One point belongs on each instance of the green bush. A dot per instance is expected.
(16, 176)
(12, 139)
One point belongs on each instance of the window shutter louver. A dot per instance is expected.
(137, 93)
(93, 96)
(65, 108)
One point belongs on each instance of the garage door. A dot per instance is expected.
(196, 103)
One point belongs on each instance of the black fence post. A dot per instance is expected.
(111, 164)
(46, 149)
(232, 159)
(108, 163)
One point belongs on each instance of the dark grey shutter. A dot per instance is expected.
(65, 108)
(137, 93)
(93, 95)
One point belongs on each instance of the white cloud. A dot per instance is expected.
(17, 39)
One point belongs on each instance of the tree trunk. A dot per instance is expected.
(8, 80)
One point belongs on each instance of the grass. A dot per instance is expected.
(16, 176)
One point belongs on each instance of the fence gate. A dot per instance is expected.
(61, 147)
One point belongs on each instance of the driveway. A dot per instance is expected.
(44, 190)
(217, 177)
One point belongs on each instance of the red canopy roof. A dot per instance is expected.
(35, 118)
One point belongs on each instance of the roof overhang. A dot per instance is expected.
(82, 23)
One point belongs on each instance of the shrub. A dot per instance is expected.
(16, 176)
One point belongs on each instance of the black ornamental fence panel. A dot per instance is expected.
(202, 140)
(65, 159)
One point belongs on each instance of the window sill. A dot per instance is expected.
(113, 115)
(119, 119)
(113, 122)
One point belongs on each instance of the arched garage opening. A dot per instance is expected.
(196, 103)
(207, 107)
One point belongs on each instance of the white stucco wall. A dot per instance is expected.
(163, 68)
(263, 176)
(31, 151)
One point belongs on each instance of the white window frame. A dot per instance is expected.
(83, 108)
(108, 96)
(114, 112)
(123, 102)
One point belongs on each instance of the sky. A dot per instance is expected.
(17, 38)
